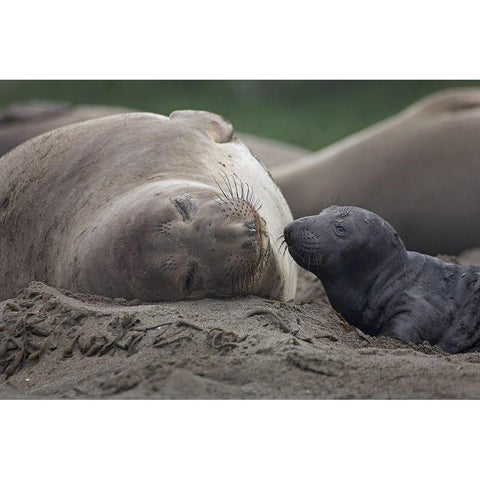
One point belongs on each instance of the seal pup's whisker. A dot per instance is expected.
(283, 246)
(333, 199)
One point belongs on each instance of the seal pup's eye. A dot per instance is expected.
(340, 230)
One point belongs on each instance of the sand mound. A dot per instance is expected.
(56, 344)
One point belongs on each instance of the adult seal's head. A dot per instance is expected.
(143, 206)
(349, 249)
(177, 239)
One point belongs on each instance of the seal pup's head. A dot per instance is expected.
(346, 241)
(350, 250)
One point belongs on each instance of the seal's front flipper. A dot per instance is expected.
(401, 328)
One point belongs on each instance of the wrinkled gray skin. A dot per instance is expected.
(383, 289)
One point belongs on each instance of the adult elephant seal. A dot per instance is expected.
(383, 289)
(420, 170)
(143, 206)
(21, 121)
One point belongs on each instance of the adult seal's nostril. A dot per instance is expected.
(383, 289)
(233, 230)
(250, 227)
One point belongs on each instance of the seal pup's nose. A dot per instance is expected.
(288, 231)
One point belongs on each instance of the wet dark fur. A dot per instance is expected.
(383, 289)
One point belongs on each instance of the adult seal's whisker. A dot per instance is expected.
(221, 189)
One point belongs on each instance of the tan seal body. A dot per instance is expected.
(142, 206)
(21, 121)
(272, 153)
(420, 170)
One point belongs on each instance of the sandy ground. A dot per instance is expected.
(55, 344)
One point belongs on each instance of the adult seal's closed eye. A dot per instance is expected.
(142, 206)
(383, 289)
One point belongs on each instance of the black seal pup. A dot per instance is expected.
(22, 121)
(383, 289)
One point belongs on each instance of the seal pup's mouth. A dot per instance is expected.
(303, 245)
(306, 258)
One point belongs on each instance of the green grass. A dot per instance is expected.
(308, 113)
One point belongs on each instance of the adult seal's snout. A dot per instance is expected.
(383, 289)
